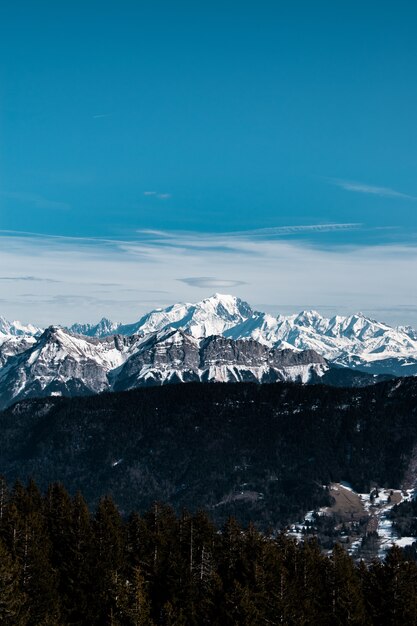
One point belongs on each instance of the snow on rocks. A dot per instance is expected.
(355, 341)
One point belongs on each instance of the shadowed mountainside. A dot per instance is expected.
(259, 452)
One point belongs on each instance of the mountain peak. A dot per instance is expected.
(51, 332)
(354, 340)
(308, 317)
(223, 298)
(103, 328)
(106, 321)
(226, 303)
(16, 328)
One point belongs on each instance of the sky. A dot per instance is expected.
(156, 152)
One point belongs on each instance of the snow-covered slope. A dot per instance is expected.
(349, 341)
(104, 328)
(354, 341)
(62, 363)
(174, 356)
(10, 346)
(212, 316)
(15, 337)
(17, 329)
(168, 344)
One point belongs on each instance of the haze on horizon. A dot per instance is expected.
(158, 152)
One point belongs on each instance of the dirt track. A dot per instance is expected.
(348, 505)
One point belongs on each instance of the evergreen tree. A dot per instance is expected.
(12, 600)
(401, 586)
(77, 565)
(240, 606)
(4, 498)
(346, 593)
(107, 560)
(172, 616)
(136, 609)
(60, 567)
(311, 576)
(27, 537)
(161, 555)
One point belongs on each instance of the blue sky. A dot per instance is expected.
(160, 151)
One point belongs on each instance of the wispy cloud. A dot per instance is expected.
(36, 200)
(98, 116)
(148, 243)
(259, 266)
(235, 240)
(158, 195)
(383, 192)
(211, 282)
(298, 229)
(28, 279)
(274, 231)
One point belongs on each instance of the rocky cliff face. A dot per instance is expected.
(176, 356)
(61, 363)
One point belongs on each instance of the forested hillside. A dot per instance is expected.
(259, 452)
(61, 565)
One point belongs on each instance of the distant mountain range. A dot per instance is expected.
(220, 338)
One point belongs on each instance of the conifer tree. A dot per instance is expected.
(346, 593)
(161, 554)
(76, 568)
(311, 577)
(400, 579)
(374, 588)
(172, 616)
(107, 558)
(230, 551)
(4, 498)
(12, 599)
(27, 537)
(240, 606)
(136, 608)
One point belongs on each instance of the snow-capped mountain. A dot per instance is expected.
(104, 328)
(15, 337)
(219, 338)
(10, 346)
(212, 316)
(61, 363)
(174, 356)
(354, 341)
(17, 329)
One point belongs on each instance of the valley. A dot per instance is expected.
(361, 522)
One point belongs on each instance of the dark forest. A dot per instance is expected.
(60, 565)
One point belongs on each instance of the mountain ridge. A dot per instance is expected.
(339, 338)
(93, 357)
(63, 363)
